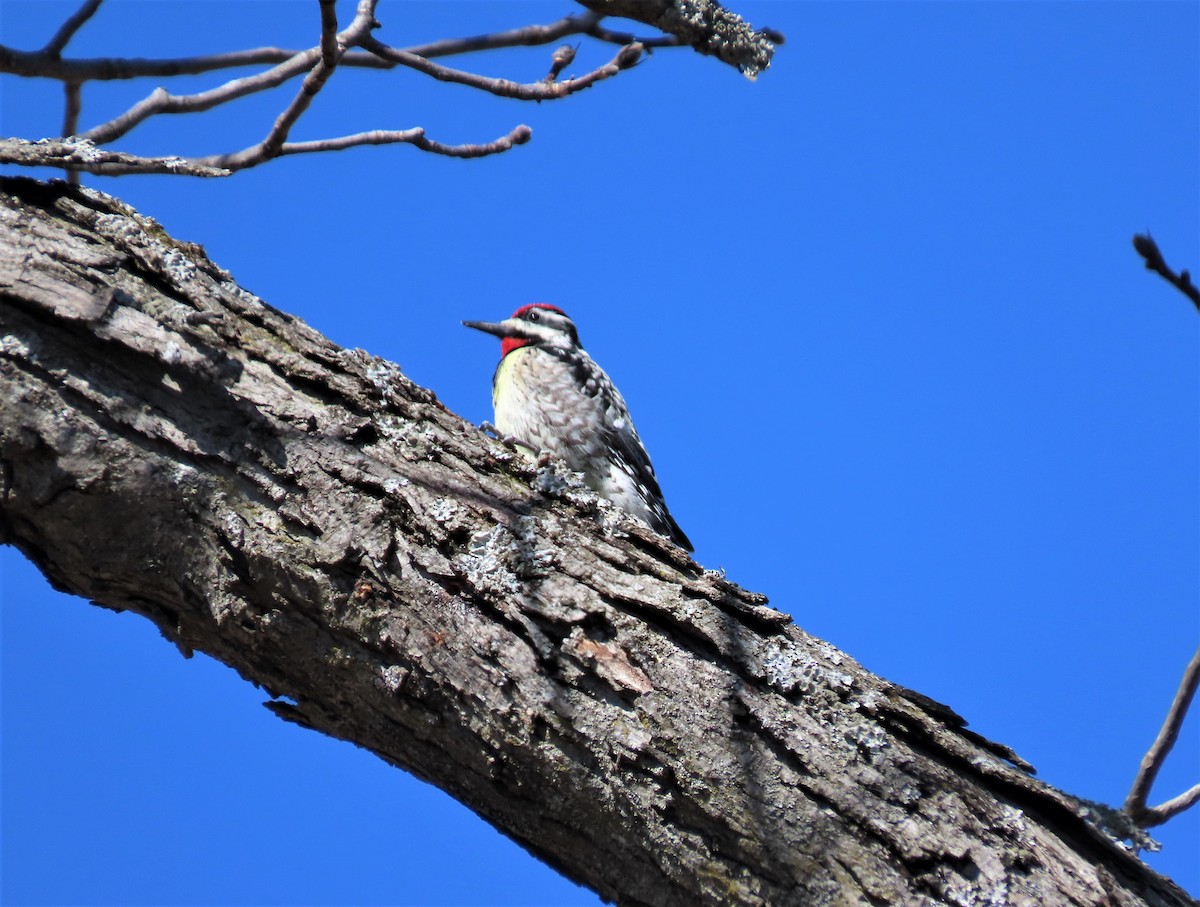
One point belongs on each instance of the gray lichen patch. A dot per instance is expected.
(500, 560)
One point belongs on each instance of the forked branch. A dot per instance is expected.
(1135, 805)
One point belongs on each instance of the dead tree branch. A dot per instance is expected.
(354, 46)
(173, 446)
(1135, 805)
(1147, 248)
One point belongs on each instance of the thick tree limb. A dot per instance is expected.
(171, 445)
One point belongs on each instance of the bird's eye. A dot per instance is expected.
(533, 315)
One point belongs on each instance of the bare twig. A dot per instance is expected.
(331, 43)
(84, 157)
(1135, 803)
(526, 36)
(71, 120)
(329, 35)
(105, 69)
(533, 91)
(519, 136)
(1148, 249)
(162, 101)
(70, 27)
(71, 108)
(1157, 815)
(257, 154)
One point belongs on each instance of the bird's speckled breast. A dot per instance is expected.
(537, 401)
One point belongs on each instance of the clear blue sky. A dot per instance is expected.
(879, 322)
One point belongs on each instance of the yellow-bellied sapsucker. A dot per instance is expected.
(551, 396)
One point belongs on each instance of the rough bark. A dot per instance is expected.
(171, 445)
(704, 25)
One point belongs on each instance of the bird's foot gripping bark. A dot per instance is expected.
(512, 443)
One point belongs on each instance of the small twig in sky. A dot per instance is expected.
(1148, 249)
(68, 29)
(162, 101)
(533, 91)
(329, 37)
(71, 120)
(331, 41)
(526, 36)
(255, 154)
(1135, 803)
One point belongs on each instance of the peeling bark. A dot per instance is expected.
(173, 446)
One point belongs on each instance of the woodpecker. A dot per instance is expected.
(551, 396)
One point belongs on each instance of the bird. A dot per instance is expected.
(550, 396)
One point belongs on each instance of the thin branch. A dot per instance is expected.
(533, 91)
(332, 44)
(1148, 249)
(526, 36)
(162, 101)
(1135, 803)
(374, 137)
(70, 27)
(83, 156)
(1157, 815)
(329, 35)
(104, 69)
(71, 110)
(518, 136)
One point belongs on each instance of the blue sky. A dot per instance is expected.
(877, 318)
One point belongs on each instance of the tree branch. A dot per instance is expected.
(171, 445)
(1147, 248)
(84, 157)
(1135, 803)
(65, 33)
(704, 25)
(331, 47)
(626, 57)
(37, 64)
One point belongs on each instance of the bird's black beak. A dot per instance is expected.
(509, 328)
